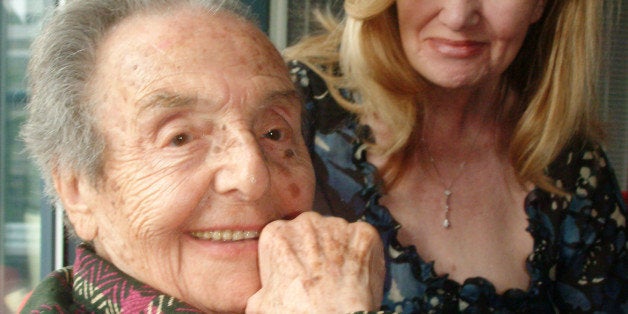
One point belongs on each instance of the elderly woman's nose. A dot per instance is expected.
(243, 170)
(459, 14)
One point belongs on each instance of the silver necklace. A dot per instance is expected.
(448, 192)
(448, 188)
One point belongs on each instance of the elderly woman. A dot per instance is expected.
(465, 131)
(170, 131)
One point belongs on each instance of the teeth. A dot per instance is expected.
(226, 235)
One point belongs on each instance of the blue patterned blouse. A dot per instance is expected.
(579, 262)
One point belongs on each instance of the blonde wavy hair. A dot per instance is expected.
(554, 75)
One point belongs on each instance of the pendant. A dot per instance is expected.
(446, 223)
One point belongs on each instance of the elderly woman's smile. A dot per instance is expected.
(226, 235)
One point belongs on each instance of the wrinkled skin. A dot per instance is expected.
(202, 130)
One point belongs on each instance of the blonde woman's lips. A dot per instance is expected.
(226, 235)
(457, 48)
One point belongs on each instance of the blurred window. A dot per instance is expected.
(22, 263)
(614, 91)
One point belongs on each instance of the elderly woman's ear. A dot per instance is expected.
(75, 192)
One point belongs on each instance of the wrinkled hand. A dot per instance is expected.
(316, 264)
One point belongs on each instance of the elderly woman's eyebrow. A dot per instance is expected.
(289, 96)
(165, 100)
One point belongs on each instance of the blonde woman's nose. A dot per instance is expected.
(460, 14)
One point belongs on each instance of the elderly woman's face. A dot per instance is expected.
(464, 43)
(204, 148)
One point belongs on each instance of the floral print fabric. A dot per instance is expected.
(579, 263)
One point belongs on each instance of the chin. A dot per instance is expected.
(230, 303)
(224, 309)
(454, 82)
(228, 297)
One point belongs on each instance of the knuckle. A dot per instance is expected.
(364, 229)
(308, 216)
(272, 229)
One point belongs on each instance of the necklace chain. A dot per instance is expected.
(447, 192)
(448, 188)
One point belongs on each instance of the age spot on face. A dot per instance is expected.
(289, 153)
(216, 149)
(294, 190)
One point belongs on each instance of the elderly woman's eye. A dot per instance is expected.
(274, 135)
(180, 140)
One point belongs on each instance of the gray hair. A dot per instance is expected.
(60, 132)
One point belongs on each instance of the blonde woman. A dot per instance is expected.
(465, 131)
